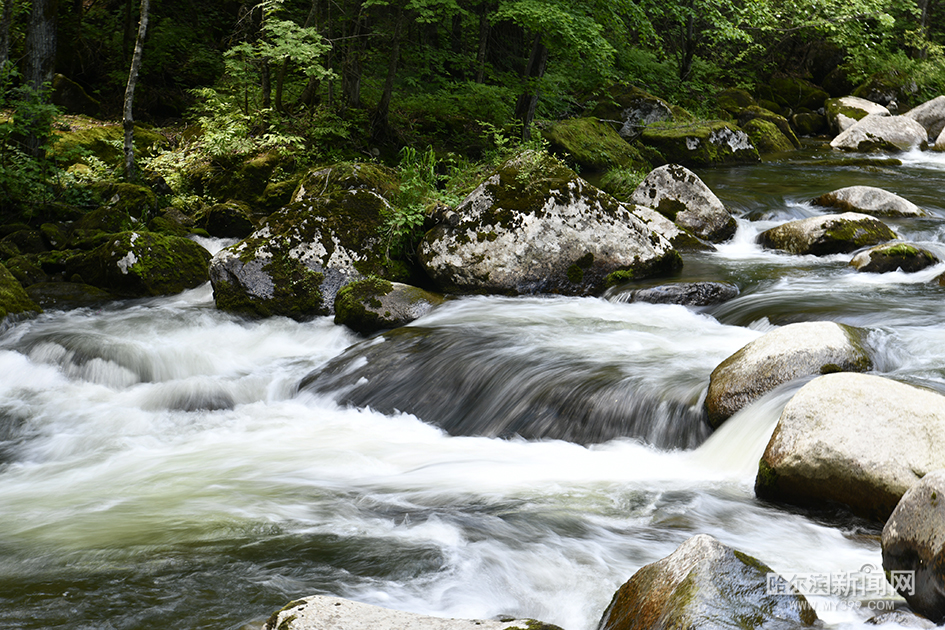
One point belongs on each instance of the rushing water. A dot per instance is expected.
(159, 466)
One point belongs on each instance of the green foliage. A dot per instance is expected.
(621, 182)
(403, 220)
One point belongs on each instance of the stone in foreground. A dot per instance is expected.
(914, 541)
(791, 352)
(822, 236)
(897, 256)
(868, 200)
(705, 584)
(854, 439)
(321, 612)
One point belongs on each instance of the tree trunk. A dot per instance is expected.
(351, 68)
(127, 119)
(309, 93)
(40, 63)
(381, 123)
(534, 71)
(484, 29)
(5, 22)
(923, 6)
(687, 48)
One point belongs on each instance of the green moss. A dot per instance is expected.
(767, 479)
(692, 143)
(13, 298)
(106, 143)
(767, 137)
(350, 304)
(592, 144)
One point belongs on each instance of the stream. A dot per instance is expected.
(160, 467)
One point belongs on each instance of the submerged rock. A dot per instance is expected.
(822, 236)
(855, 439)
(678, 194)
(705, 584)
(914, 542)
(844, 112)
(898, 256)
(321, 612)
(535, 227)
(701, 143)
(685, 293)
(869, 200)
(882, 133)
(373, 304)
(67, 295)
(788, 353)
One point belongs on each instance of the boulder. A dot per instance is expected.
(227, 220)
(142, 264)
(782, 355)
(592, 144)
(766, 137)
(678, 194)
(939, 142)
(844, 112)
(930, 115)
(67, 295)
(321, 612)
(72, 97)
(914, 545)
(346, 176)
(701, 143)
(854, 439)
(868, 200)
(734, 100)
(373, 304)
(893, 88)
(882, 133)
(822, 236)
(894, 256)
(758, 115)
(705, 584)
(631, 110)
(535, 227)
(13, 298)
(680, 238)
(809, 124)
(105, 142)
(685, 293)
(797, 93)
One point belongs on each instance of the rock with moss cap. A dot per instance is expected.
(227, 220)
(780, 356)
(141, 264)
(705, 584)
(868, 200)
(754, 113)
(72, 97)
(809, 124)
(844, 112)
(678, 194)
(766, 137)
(825, 235)
(857, 440)
(702, 143)
(372, 304)
(536, 227)
(321, 612)
(797, 93)
(592, 144)
(897, 256)
(630, 110)
(346, 176)
(13, 298)
(882, 133)
(105, 142)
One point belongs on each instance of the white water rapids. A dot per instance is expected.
(159, 469)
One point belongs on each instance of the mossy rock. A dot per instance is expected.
(797, 93)
(138, 202)
(897, 256)
(67, 295)
(245, 181)
(825, 235)
(141, 264)
(767, 137)
(890, 87)
(734, 101)
(808, 125)
(13, 298)
(277, 194)
(73, 98)
(27, 241)
(347, 176)
(372, 304)
(592, 144)
(701, 143)
(105, 142)
(26, 269)
(754, 113)
(629, 110)
(227, 220)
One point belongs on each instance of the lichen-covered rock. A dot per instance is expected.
(705, 584)
(869, 200)
(782, 355)
(754, 113)
(680, 238)
(822, 236)
(592, 144)
(296, 262)
(678, 194)
(844, 112)
(631, 110)
(701, 143)
(685, 293)
(140, 264)
(882, 133)
(13, 298)
(854, 439)
(766, 137)
(321, 612)
(372, 304)
(894, 256)
(931, 115)
(535, 227)
(914, 543)
(227, 220)
(346, 176)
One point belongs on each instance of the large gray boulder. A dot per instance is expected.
(914, 542)
(930, 115)
(869, 200)
(536, 227)
(822, 236)
(844, 112)
(896, 256)
(321, 612)
(782, 355)
(855, 439)
(882, 133)
(707, 585)
(678, 194)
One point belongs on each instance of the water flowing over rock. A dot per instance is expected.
(535, 227)
(869, 200)
(822, 236)
(373, 304)
(685, 293)
(897, 256)
(678, 194)
(468, 384)
(855, 439)
(321, 612)
(705, 584)
(844, 112)
(780, 356)
(701, 143)
(930, 115)
(882, 133)
(914, 541)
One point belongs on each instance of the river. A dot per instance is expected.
(159, 467)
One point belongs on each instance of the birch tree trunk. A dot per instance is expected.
(127, 121)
